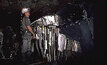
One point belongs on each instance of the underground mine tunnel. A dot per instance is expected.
(64, 31)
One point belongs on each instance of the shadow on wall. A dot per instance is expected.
(76, 26)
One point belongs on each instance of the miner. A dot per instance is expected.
(27, 35)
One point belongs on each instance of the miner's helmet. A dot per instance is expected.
(24, 10)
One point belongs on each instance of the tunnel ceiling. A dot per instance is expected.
(35, 5)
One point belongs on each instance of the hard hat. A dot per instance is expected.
(24, 10)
